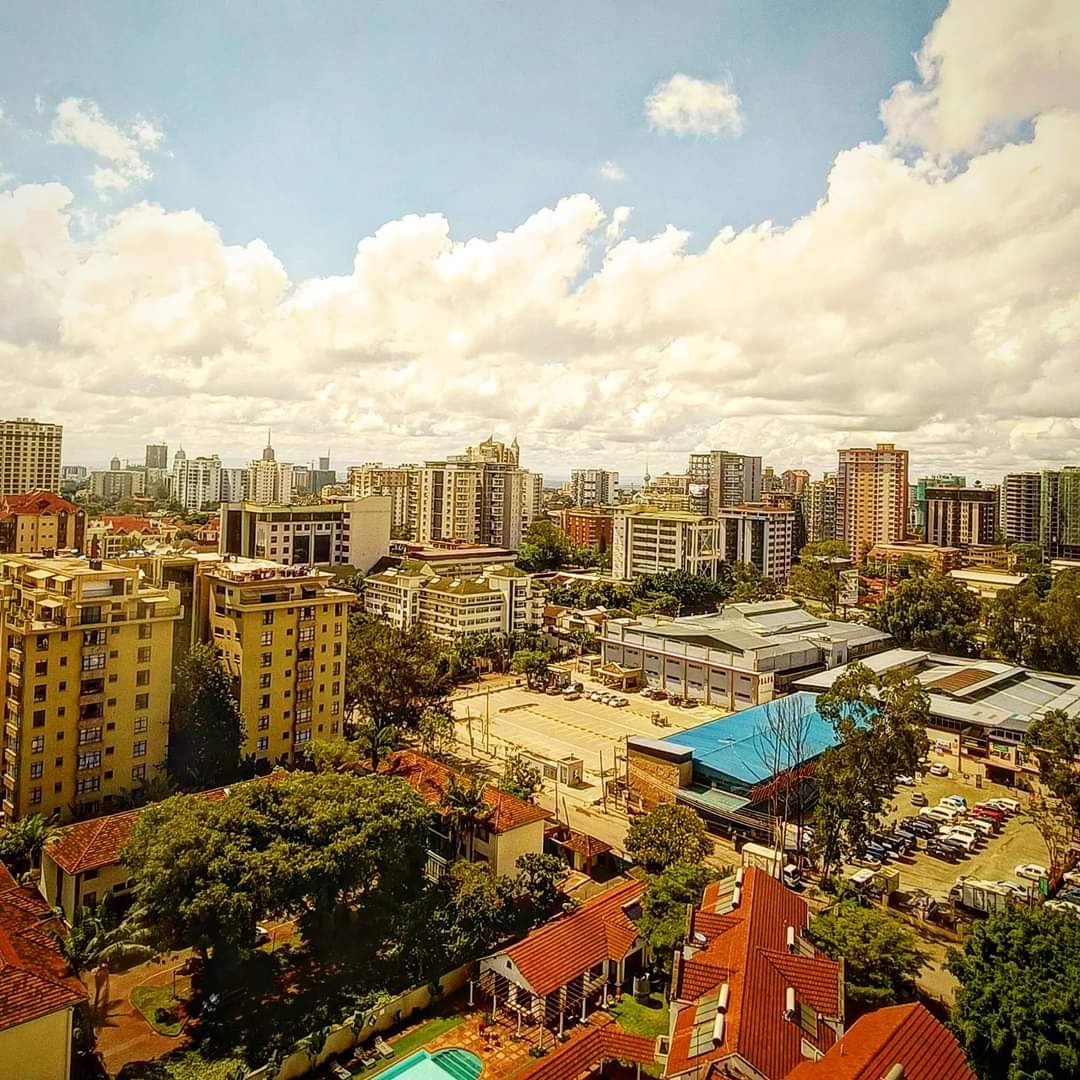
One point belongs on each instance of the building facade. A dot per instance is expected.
(593, 487)
(157, 456)
(354, 532)
(588, 528)
(401, 484)
(960, 516)
(645, 540)
(29, 456)
(720, 478)
(1059, 513)
(40, 521)
(763, 536)
(669, 491)
(818, 502)
(195, 483)
(918, 495)
(871, 496)
(1020, 506)
(86, 650)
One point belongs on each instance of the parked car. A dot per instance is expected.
(1062, 905)
(937, 769)
(940, 814)
(1015, 888)
(893, 841)
(1029, 870)
(920, 826)
(953, 800)
(620, 702)
(1009, 806)
(942, 850)
(954, 844)
(878, 851)
(1071, 877)
(595, 695)
(570, 694)
(905, 780)
(867, 861)
(989, 813)
(981, 826)
(918, 799)
(966, 840)
(1071, 896)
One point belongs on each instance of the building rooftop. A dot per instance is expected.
(36, 502)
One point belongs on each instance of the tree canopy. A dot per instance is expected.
(931, 611)
(663, 907)
(1017, 1008)
(668, 834)
(1054, 737)
(1038, 631)
(520, 778)
(881, 955)
(207, 731)
(21, 842)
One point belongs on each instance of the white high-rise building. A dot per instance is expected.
(763, 536)
(196, 482)
(593, 487)
(401, 484)
(720, 478)
(29, 456)
(267, 481)
(649, 541)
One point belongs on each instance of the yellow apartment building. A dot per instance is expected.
(39, 521)
(86, 652)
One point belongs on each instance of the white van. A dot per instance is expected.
(963, 837)
(943, 815)
(986, 828)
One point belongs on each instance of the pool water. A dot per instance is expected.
(452, 1064)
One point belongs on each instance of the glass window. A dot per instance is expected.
(138, 748)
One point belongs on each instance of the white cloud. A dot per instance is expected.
(687, 106)
(81, 123)
(936, 306)
(611, 170)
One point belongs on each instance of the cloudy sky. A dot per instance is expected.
(614, 229)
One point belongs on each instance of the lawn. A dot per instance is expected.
(412, 1041)
(649, 1018)
(150, 1000)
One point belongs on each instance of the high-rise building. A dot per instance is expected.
(268, 481)
(760, 535)
(401, 484)
(40, 521)
(593, 487)
(1059, 513)
(669, 491)
(482, 497)
(818, 504)
(960, 517)
(1019, 507)
(794, 480)
(196, 482)
(871, 496)
(587, 527)
(157, 456)
(720, 478)
(648, 541)
(119, 482)
(918, 495)
(770, 481)
(86, 648)
(29, 456)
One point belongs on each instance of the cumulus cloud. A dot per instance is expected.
(687, 106)
(81, 123)
(936, 306)
(611, 170)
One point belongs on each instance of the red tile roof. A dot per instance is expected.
(599, 930)
(603, 1038)
(431, 779)
(37, 502)
(746, 948)
(128, 523)
(581, 843)
(34, 979)
(905, 1035)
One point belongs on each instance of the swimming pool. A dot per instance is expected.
(450, 1064)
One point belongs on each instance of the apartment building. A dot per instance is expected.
(401, 484)
(502, 599)
(40, 521)
(720, 478)
(669, 491)
(871, 496)
(646, 540)
(281, 633)
(961, 516)
(917, 509)
(763, 536)
(268, 481)
(588, 528)
(794, 481)
(1059, 513)
(1019, 507)
(593, 487)
(86, 649)
(29, 456)
(452, 558)
(118, 482)
(818, 502)
(195, 483)
(354, 532)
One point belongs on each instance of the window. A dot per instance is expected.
(267, 637)
(93, 637)
(146, 631)
(94, 662)
(264, 723)
(138, 772)
(57, 787)
(264, 701)
(262, 742)
(36, 769)
(266, 659)
(138, 748)
(268, 618)
(303, 737)
(141, 724)
(42, 642)
(264, 681)
(307, 633)
(89, 735)
(39, 693)
(35, 796)
(142, 678)
(337, 648)
(88, 759)
(142, 701)
(144, 655)
(41, 668)
(303, 716)
(37, 744)
(89, 900)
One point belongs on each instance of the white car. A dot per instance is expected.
(1008, 806)
(980, 826)
(938, 769)
(1031, 871)
(1015, 888)
(1071, 877)
(1063, 905)
(967, 840)
(953, 800)
(905, 780)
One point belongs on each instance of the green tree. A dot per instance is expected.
(466, 809)
(825, 549)
(333, 754)
(472, 914)
(1019, 998)
(816, 579)
(751, 584)
(97, 938)
(1054, 738)
(544, 547)
(881, 955)
(663, 907)
(1014, 623)
(693, 593)
(534, 664)
(21, 843)
(375, 742)
(435, 736)
(206, 730)
(656, 604)
(535, 888)
(520, 778)
(670, 833)
(933, 612)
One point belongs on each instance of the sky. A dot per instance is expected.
(618, 231)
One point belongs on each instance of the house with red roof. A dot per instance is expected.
(752, 997)
(514, 828)
(562, 969)
(38, 996)
(40, 521)
(902, 1042)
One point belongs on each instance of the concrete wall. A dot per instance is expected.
(654, 779)
(509, 846)
(38, 1050)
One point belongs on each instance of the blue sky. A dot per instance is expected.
(311, 125)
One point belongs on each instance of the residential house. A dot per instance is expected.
(40, 521)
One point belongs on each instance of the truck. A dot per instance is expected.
(985, 897)
(773, 862)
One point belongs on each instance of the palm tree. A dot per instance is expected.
(375, 741)
(22, 841)
(466, 810)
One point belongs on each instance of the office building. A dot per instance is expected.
(646, 540)
(449, 558)
(941, 560)
(1059, 513)
(960, 516)
(871, 496)
(669, 491)
(157, 456)
(401, 484)
(29, 456)
(1019, 507)
(502, 599)
(118, 482)
(352, 533)
(763, 536)
(720, 478)
(593, 487)
(86, 648)
(40, 521)
(268, 481)
(818, 502)
(917, 493)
